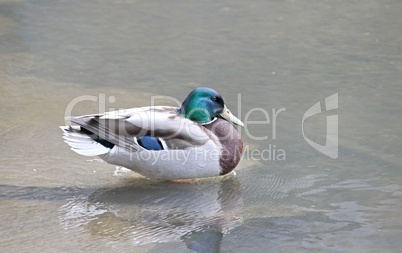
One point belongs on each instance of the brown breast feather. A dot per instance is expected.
(232, 144)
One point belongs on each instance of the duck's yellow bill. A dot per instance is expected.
(226, 114)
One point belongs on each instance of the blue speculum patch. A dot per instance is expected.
(150, 143)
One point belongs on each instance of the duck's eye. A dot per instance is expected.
(214, 98)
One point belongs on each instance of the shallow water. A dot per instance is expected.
(273, 55)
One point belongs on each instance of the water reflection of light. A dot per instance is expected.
(145, 211)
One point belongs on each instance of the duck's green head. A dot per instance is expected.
(203, 105)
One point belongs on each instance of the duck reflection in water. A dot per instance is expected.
(145, 211)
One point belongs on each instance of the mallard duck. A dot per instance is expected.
(196, 140)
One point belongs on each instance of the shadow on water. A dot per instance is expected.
(144, 211)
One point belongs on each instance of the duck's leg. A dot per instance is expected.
(184, 181)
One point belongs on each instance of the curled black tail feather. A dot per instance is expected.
(96, 138)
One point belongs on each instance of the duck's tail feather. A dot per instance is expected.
(105, 132)
(81, 143)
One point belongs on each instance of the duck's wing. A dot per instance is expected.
(139, 128)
